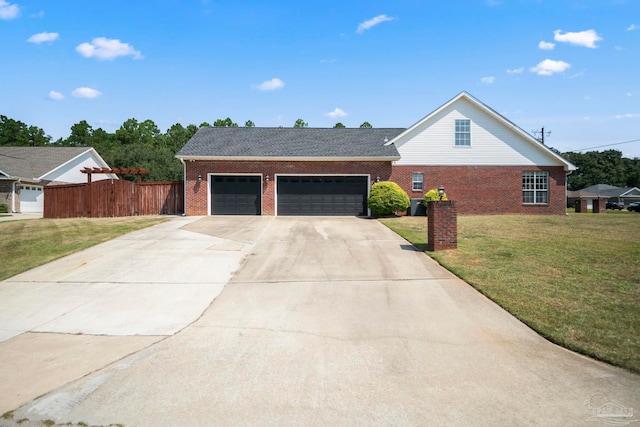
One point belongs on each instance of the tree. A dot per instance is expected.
(225, 123)
(81, 134)
(339, 125)
(249, 124)
(387, 197)
(594, 167)
(366, 125)
(300, 124)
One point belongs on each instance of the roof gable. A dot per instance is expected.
(500, 142)
(35, 163)
(235, 143)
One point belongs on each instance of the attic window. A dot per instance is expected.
(463, 133)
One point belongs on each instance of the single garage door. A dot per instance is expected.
(31, 199)
(322, 195)
(235, 195)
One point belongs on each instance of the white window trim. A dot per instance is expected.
(455, 132)
(414, 182)
(534, 190)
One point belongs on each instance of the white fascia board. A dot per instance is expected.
(568, 166)
(290, 159)
(94, 154)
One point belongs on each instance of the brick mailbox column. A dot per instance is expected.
(442, 231)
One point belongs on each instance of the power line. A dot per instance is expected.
(608, 145)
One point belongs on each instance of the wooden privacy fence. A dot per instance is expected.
(113, 197)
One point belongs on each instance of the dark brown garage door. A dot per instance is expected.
(322, 195)
(235, 195)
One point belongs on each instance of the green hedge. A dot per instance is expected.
(387, 197)
(4, 208)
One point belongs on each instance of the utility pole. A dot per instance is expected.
(539, 135)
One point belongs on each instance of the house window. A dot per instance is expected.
(417, 182)
(535, 187)
(463, 132)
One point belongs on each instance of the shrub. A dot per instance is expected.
(4, 208)
(433, 196)
(387, 197)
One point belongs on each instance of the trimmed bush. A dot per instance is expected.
(387, 197)
(433, 196)
(4, 208)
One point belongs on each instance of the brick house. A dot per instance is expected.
(485, 162)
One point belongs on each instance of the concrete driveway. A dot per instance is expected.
(338, 321)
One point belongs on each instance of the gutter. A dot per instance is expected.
(13, 195)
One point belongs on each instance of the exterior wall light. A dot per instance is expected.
(377, 179)
(266, 178)
(199, 178)
(441, 192)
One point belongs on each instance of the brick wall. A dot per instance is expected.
(479, 190)
(483, 190)
(5, 195)
(197, 193)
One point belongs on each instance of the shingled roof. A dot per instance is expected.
(230, 143)
(34, 162)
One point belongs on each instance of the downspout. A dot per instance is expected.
(184, 184)
(13, 195)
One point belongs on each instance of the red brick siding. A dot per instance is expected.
(485, 190)
(197, 193)
(477, 190)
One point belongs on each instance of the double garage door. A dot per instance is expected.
(296, 195)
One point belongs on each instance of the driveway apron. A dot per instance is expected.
(338, 321)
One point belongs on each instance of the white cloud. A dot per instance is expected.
(338, 112)
(86, 92)
(546, 45)
(618, 48)
(372, 23)
(628, 116)
(273, 84)
(629, 94)
(43, 37)
(515, 70)
(488, 80)
(8, 10)
(549, 67)
(586, 38)
(103, 48)
(633, 27)
(57, 96)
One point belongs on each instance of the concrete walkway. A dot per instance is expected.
(338, 321)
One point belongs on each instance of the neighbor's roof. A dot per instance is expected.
(34, 162)
(612, 191)
(253, 143)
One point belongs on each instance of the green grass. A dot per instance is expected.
(574, 279)
(25, 244)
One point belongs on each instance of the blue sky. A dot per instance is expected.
(570, 66)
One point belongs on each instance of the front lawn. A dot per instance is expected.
(574, 279)
(25, 244)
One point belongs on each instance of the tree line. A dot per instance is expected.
(143, 144)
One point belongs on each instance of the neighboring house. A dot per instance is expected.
(487, 165)
(25, 171)
(624, 195)
(574, 196)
